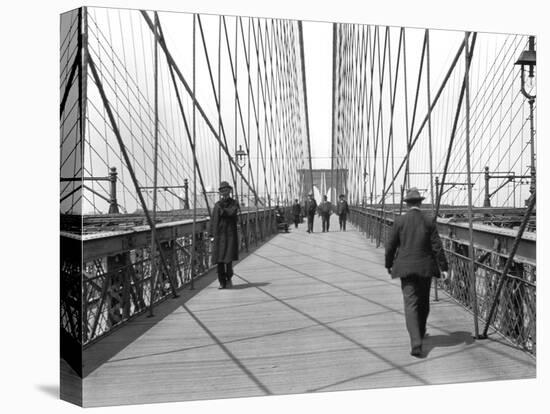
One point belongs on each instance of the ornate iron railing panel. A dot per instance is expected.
(515, 317)
(115, 285)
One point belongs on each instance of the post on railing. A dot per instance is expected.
(113, 205)
(487, 200)
(186, 191)
(437, 188)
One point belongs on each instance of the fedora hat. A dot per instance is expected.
(224, 184)
(413, 195)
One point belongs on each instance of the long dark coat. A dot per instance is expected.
(419, 250)
(342, 208)
(223, 227)
(325, 208)
(311, 207)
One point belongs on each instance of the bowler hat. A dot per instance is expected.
(224, 184)
(413, 195)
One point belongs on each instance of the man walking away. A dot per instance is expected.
(296, 211)
(415, 254)
(311, 209)
(223, 229)
(342, 211)
(325, 209)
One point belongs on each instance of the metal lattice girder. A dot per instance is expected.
(123, 290)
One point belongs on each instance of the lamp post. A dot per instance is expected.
(529, 58)
(241, 155)
(365, 175)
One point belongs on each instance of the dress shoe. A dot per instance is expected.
(229, 284)
(416, 351)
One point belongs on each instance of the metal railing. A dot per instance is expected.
(515, 315)
(114, 277)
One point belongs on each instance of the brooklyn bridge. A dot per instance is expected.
(157, 109)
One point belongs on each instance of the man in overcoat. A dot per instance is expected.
(325, 210)
(414, 254)
(296, 212)
(342, 210)
(311, 209)
(223, 229)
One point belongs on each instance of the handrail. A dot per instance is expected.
(111, 270)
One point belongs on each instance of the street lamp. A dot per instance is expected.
(241, 155)
(365, 175)
(529, 58)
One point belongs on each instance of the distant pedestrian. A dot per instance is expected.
(325, 210)
(296, 212)
(223, 228)
(342, 210)
(311, 209)
(415, 254)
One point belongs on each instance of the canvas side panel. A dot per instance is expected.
(71, 134)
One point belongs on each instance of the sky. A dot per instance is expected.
(318, 61)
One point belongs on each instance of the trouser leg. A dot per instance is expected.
(409, 288)
(221, 274)
(229, 271)
(343, 218)
(424, 285)
(325, 219)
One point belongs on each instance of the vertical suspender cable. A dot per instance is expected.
(155, 157)
(219, 99)
(334, 81)
(469, 178)
(430, 133)
(194, 229)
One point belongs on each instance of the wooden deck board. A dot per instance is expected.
(308, 313)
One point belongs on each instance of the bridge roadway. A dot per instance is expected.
(308, 313)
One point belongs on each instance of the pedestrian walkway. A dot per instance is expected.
(308, 313)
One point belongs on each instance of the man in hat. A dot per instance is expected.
(342, 210)
(223, 228)
(296, 212)
(419, 257)
(325, 210)
(311, 209)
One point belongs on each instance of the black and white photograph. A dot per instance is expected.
(255, 205)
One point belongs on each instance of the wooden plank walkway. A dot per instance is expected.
(308, 313)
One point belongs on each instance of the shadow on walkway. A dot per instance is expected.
(105, 348)
(438, 341)
(249, 285)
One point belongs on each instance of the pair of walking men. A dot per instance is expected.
(325, 209)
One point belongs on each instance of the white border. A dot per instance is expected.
(29, 100)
